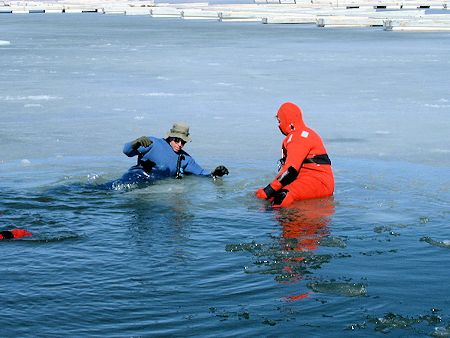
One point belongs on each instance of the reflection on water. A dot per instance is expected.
(291, 257)
(164, 222)
(303, 226)
(305, 223)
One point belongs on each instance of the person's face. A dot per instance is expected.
(280, 125)
(177, 144)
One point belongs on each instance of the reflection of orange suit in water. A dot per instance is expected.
(306, 169)
(304, 225)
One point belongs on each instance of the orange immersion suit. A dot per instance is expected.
(306, 169)
(14, 233)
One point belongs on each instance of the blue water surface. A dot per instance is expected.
(197, 257)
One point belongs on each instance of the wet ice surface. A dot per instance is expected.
(196, 255)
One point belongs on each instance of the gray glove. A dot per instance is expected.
(143, 141)
(220, 171)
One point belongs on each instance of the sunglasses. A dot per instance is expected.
(178, 140)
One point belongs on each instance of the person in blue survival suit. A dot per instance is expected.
(164, 157)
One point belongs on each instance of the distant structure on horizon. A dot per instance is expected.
(390, 15)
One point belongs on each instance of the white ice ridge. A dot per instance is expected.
(4, 43)
(30, 97)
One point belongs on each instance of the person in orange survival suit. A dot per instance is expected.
(305, 166)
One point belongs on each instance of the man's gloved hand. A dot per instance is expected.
(261, 194)
(143, 141)
(220, 171)
(265, 193)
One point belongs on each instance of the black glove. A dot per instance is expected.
(143, 141)
(220, 171)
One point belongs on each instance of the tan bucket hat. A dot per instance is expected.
(180, 130)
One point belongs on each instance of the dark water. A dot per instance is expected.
(196, 257)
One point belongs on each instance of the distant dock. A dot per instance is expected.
(406, 16)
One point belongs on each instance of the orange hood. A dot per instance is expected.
(289, 117)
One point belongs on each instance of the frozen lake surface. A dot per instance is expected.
(201, 257)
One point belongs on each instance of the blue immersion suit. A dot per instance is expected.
(157, 161)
